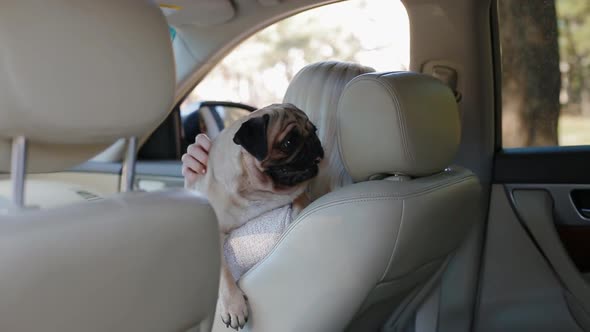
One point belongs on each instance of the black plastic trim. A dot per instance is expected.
(210, 103)
(497, 72)
(559, 164)
(165, 142)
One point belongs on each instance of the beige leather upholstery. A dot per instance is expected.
(316, 89)
(419, 134)
(518, 289)
(138, 262)
(353, 255)
(76, 76)
(69, 77)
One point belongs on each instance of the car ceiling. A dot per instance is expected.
(205, 12)
(206, 30)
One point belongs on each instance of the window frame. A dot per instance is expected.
(497, 75)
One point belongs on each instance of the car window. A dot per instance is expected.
(257, 72)
(545, 58)
(230, 114)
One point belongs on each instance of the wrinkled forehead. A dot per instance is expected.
(283, 115)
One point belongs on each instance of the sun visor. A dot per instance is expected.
(198, 12)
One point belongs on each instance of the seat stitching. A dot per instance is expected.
(394, 95)
(433, 260)
(297, 222)
(399, 231)
(389, 195)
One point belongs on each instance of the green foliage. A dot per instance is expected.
(298, 38)
(574, 48)
(260, 68)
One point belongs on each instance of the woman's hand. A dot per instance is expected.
(194, 161)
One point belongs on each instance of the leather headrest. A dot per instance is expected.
(77, 75)
(316, 89)
(397, 123)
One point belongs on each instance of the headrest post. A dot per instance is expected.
(61, 133)
(128, 171)
(18, 170)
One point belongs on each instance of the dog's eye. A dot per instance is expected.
(286, 145)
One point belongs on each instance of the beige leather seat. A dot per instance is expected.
(405, 138)
(75, 77)
(351, 257)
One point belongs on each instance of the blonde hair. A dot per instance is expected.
(316, 90)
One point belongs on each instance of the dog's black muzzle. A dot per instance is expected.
(302, 168)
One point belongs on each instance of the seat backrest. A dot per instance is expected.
(141, 262)
(354, 254)
(75, 77)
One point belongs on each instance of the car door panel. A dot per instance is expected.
(564, 173)
(572, 228)
(518, 290)
(576, 240)
(544, 194)
(581, 200)
(535, 210)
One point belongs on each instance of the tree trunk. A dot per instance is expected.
(585, 101)
(530, 72)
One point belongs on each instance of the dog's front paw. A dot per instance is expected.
(234, 309)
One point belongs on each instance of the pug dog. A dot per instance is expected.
(261, 162)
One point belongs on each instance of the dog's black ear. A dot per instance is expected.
(252, 136)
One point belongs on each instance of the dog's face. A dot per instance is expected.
(284, 143)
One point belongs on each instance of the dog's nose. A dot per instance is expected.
(317, 160)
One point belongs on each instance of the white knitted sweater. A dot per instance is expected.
(247, 245)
